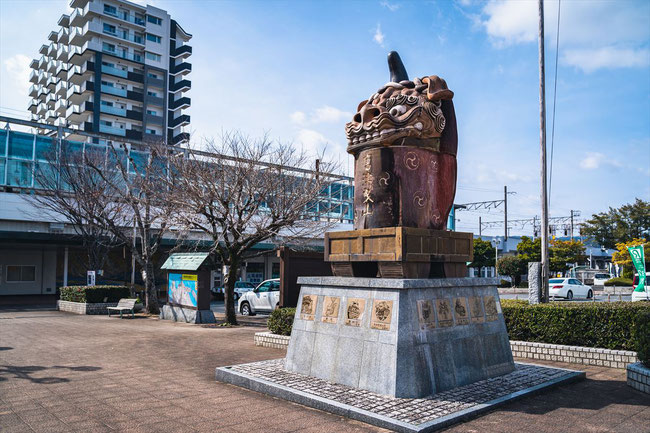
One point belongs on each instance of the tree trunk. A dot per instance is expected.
(151, 294)
(229, 293)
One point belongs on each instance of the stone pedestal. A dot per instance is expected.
(534, 282)
(184, 314)
(399, 337)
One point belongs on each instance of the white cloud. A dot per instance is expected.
(594, 160)
(324, 114)
(313, 142)
(18, 69)
(591, 59)
(593, 35)
(390, 6)
(298, 117)
(379, 36)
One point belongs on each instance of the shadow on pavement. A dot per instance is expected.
(26, 372)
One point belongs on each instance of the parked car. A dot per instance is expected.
(641, 296)
(568, 288)
(241, 287)
(599, 279)
(263, 299)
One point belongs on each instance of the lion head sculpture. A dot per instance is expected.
(405, 112)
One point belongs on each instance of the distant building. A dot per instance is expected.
(117, 68)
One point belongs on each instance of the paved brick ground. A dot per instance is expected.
(62, 372)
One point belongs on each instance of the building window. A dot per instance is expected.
(109, 29)
(151, 131)
(106, 122)
(152, 56)
(108, 47)
(154, 20)
(107, 103)
(152, 112)
(111, 10)
(21, 274)
(153, 38)
(152, 75)
(150, 93)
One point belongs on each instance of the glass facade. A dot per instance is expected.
(22, 155)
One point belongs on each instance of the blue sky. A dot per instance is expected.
(298, 70)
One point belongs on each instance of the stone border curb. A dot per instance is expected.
(520, 349)
(638, 377)
(269, 339)
(227, 375)
(83, 307)
(573, 354)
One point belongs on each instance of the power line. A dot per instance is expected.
(557, 50)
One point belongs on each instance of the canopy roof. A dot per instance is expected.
(184, 261)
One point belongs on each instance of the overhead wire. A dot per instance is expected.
(557, 50)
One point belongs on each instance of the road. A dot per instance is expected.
(220, 307)
(599, 298)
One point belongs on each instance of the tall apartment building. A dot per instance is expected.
(117, 68)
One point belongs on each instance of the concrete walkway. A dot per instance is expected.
(62, 373)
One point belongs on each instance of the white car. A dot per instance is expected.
(599, 279)
(568, 288)
(641, 296)
(263, 299)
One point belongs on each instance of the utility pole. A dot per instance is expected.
(571, 225)
(542, 143)
(480, 227)
(505, 212)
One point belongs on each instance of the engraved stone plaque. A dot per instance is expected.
(354, 311)
(331, 309)
(445, 318)
(381, 315)
(461, 311)
(491, 312)
(308, 307)
(476, 309)
(425, 315)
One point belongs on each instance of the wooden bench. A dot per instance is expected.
(124, 305)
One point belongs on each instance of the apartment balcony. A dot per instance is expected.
(180, 138)
(33, 105)
(63, 52)
(51, 51)
(134, 57)
(80, 74)
(42, 63)
(112, 130)
(43, 49)
(79, 94)
(111, 90)
(180, 103)
(134, 115)
(41, 109)
(50, 99)
(77, 36)
(51, 83)
(126, 17)
(78, 17)
(62, 71)
(153, 120)
(51, 66)
(114, 71)
(33, 76)
(119, 35)
(63, 37)
(181, 52)
(61, 88)
(112, 110)
(51, 116)
(182, 69)
(181, 86)
(33, 90)
(79, 113)
(42, 78)
(61, 107)
(78, 3)
(64, 21)
(181, 120)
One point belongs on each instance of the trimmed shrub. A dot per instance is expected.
(618, 281)
(281, 320)
(643, 338)
(591, 324)
(504, 284)
(94, 294)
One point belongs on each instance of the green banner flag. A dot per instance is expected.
(638, 259)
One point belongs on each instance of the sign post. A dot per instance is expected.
(638, 260)
(90, 278)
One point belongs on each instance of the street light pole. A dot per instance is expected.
(542, 143)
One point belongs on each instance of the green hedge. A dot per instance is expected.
(610, 325)
(643, 338)
(94, 294)
(618, 281)
(281, 321)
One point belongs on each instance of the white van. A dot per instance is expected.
(641, 296)
(599, 279)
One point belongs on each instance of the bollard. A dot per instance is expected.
(620, 297)
(609, 297)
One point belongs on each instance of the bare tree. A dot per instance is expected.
(135, 208)
(65, 189)
(241, 192)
